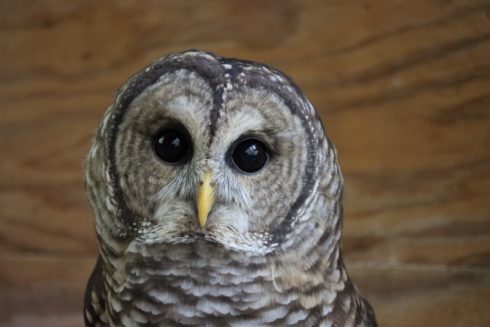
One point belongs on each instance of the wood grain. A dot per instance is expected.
(403, 88)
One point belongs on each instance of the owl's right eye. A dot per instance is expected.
(173, 145)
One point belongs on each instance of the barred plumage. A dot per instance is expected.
(268, 251)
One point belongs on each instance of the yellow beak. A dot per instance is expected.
(205, 197)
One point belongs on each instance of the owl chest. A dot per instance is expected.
(229, 296)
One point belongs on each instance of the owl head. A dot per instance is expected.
(202, 149)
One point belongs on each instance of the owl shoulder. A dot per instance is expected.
(95, 299)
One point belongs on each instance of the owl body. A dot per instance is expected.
(217, 199)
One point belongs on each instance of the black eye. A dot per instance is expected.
(250, 155)
(172, 145)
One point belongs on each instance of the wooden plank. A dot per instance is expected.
(425, 295)
(403, 88)
(48, 291)
(41, 290)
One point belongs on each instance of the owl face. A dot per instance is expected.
(200, 148)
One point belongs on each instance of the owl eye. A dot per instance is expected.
(250, 155)
(173, 145)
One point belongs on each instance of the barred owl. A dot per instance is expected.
(217, 202)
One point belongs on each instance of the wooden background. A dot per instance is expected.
(404, 91)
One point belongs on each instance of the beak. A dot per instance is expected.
(205, 197)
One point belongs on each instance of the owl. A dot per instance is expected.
(218, 202)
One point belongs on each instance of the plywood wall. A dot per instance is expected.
(402, 86)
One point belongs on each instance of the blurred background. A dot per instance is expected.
(403, 88)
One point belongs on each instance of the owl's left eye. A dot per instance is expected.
(250, 155)
(173, 145)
